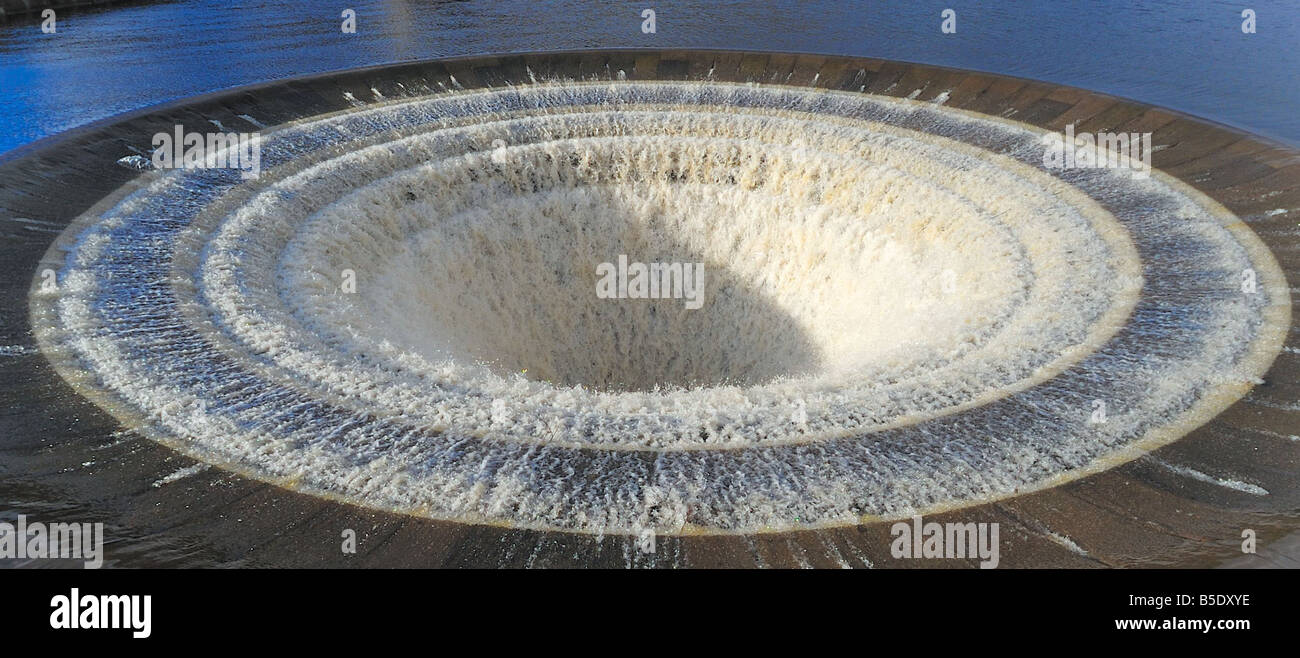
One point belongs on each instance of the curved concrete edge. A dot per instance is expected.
(1175, 506)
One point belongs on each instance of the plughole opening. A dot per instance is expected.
(282, 372)
(526, 264)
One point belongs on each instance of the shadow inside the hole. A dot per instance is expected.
(738, 337)
(547, 322)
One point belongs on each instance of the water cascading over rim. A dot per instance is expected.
(904, 309)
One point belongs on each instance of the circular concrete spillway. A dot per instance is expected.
(901, 310)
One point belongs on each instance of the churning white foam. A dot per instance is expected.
(902, 309)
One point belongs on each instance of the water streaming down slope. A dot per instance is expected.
(831, 375)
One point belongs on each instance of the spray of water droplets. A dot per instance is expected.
(903, 310)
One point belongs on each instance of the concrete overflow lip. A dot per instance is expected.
(1174, 506)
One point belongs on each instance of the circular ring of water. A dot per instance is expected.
(268, 372)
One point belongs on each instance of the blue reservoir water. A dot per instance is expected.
(1189, 55)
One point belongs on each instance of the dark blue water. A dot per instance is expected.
(1189, 55)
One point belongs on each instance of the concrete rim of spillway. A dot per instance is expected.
(1199, 155)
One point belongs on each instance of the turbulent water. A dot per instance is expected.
(903, 309)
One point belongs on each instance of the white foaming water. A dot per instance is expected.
(902, 310)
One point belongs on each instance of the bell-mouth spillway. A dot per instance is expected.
(904, 310)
